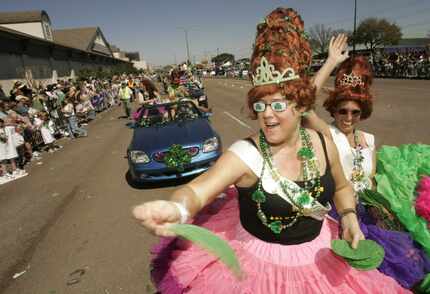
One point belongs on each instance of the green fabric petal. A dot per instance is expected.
(398, 171)
(210, 242)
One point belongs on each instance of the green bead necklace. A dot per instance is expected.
(299, 198)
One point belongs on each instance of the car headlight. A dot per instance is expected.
(139, 157)
(210, 145)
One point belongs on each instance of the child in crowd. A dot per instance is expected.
(46, 127)
(8, 153)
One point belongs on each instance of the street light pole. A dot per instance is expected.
(355, 27)
(187, 44)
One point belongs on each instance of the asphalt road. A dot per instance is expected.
(67, 227)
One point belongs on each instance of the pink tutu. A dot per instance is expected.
(311, 267)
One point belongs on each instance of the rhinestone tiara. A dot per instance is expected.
(351, 80)
(266, 74)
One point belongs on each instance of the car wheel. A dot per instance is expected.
(129, 179)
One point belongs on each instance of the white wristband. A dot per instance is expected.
(183, 211)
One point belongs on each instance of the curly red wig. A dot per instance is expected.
(358, 66)
(282, 41)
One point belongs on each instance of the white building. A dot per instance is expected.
(34, 23)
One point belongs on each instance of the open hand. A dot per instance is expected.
(337, 50)
(157, 216)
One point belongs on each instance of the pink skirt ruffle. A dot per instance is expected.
(311, 267)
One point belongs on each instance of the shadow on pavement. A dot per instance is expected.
(156, 185)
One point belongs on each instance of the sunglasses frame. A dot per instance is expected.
(345, 111)
(261, 103)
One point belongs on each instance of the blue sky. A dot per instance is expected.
(154, 27)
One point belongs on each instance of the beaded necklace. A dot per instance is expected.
(300, 198)
(357, 175)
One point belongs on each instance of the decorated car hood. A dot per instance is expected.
(158, 138)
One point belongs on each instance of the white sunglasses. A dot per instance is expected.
(277, 106)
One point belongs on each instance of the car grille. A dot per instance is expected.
(159, 156)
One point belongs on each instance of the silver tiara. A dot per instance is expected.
(351, 80)
(266, 74)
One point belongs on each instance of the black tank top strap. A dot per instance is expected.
(325, 150)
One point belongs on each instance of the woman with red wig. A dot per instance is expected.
(350, 103)
(285, 176)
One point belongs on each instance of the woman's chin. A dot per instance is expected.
(345, 128)
(273, 138)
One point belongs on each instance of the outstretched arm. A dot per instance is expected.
(337, 53)
(158, 215)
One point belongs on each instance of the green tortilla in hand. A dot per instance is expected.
(368, 255)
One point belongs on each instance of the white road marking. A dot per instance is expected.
(237, 120)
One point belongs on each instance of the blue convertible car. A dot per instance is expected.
(171, 141)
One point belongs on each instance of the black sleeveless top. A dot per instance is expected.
(304, 230)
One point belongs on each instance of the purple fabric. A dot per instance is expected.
(404, 260)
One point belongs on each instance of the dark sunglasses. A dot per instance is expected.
(277, 106)
(344, 111)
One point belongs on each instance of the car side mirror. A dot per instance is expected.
(132, 125)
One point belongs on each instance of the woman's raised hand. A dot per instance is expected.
(157, 216)
(337, 50)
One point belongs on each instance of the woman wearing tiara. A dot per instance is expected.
(349, 103)
(285, 176)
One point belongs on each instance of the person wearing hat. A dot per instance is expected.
(285, 175)
(124, 95)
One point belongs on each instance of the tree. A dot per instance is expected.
(223, 58)
(373, 32)
(320, 38)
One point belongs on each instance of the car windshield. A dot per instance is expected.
(162, 114)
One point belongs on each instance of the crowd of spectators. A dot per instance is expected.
(33, 116)
(411, 64)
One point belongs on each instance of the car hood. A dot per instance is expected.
(191, 132)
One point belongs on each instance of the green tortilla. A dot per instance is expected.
(366, 264)
(364, 249)
(368, 255)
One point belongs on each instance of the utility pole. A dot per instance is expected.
(187, 44)
(355, 27)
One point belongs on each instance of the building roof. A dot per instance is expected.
(12, 17)
(8, 33)
(82, 38)
(79, 38)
